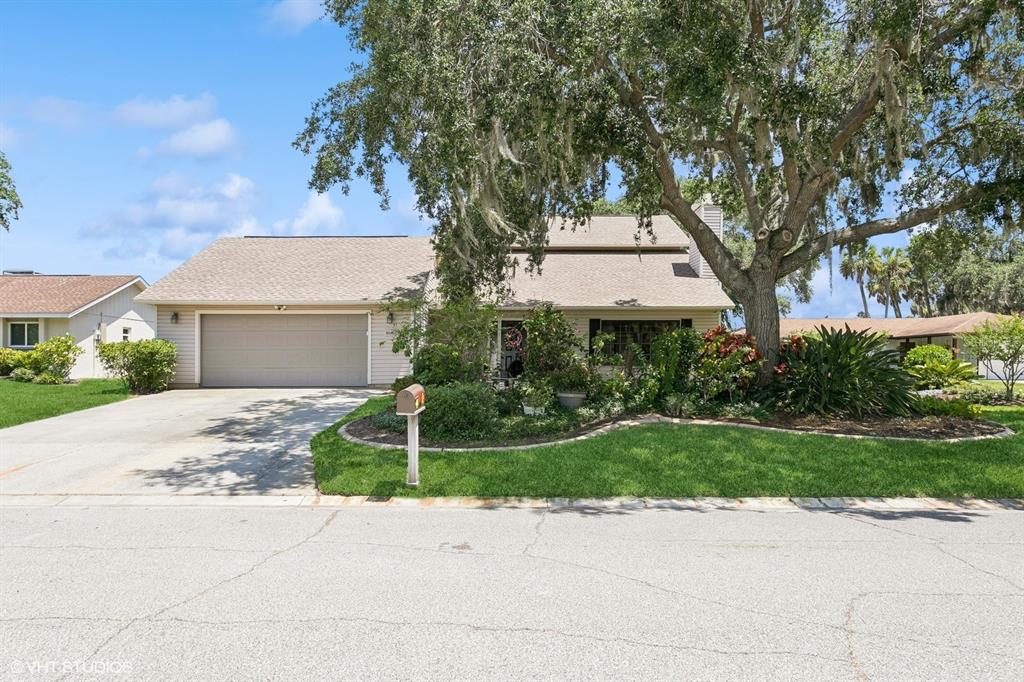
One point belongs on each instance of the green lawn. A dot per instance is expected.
(20, 403)
(666, 460)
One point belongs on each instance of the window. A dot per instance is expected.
(24, 334)
(627, 332)
(126, 333)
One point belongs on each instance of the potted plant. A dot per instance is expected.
(571, 385)
(537, 395)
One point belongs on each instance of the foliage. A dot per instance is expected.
(574, 378)
(889, 278)
(389, 421)
(938, 407)
(980, 394)
(918, 355)
(56, 356)
(819, 115)
(941, 373)
(1001, 341)
(23, 374)
(859, 261)
(842, 373)
(536, 393)
(49, 378)
(10, 202)
(666, 460)
(679, 405)
(402, 383)
(11, 359)
(146, 366)
(552, 343)
(727, 365)
(674, 356)
(438, 364)
(460, 412)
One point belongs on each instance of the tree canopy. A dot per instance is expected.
(508, 111)
(10, 202)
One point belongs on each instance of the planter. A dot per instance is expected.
(570, 399)
(533, 411)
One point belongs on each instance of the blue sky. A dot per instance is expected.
(140, 132)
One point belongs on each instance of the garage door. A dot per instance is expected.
(283, 350)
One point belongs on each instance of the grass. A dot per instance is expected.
(666, 460)
(20, 403)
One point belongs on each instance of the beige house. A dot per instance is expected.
(92, 308)
(905, 333)
(306, 311)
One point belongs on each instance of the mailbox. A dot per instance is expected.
(410, 400)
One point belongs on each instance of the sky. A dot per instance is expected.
(139, 132)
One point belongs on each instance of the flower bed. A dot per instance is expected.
(924, 428)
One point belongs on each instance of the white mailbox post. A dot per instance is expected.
(410, 402)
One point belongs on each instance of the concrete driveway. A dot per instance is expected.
(209, 441)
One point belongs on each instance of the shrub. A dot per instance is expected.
(389, 421)
(438, 364)
(680, 405)
(145, 366)
(23, 374)
(919, 355)
(673, 359)
(936, 373)
(536, 393)
(48, 378)
(843, 373)
(727, 365)
(11, 359)
(402, 383)
(574, 378)
(460, 412)
(56, 356)
(937, 407)
(552, 344)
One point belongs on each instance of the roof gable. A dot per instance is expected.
(56, 294)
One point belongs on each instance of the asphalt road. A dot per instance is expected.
(431, 593)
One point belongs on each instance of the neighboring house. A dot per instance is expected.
(907, 332)
(306, 311)
(92, 308)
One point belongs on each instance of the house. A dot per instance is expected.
(904, 333)
(306, 311)
(92, 308)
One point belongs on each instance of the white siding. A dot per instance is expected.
(386, 366)
(183, 334)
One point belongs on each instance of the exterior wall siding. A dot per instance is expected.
(183, 335)
(386, 366)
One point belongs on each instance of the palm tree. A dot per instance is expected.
(859, 260)
(893, 278)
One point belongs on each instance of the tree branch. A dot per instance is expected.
(814, 248)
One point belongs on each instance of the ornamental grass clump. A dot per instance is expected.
(842, 373)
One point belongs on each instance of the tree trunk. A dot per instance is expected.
(895, 303)
(863, 295)
(761, 313)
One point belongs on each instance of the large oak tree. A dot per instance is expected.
(507, 111)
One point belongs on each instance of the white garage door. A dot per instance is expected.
(283, 350)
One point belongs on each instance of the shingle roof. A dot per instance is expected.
(54, 294)
(906, 327)
(615, 231)
(626, 280)
(298, 270)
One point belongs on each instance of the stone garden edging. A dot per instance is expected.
(659, 419)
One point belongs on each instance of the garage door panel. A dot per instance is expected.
(283, 350)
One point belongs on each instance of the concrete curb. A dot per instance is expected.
(609, 504)
(659, 419)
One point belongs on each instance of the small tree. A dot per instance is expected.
(1001, 341)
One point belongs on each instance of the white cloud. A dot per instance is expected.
(200, 140)
(174, 112)
(236, 186)
(292, 16)
(8, 138)
(57, 111)
(319, 215)
(179, 244)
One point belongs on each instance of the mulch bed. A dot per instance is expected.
(931, 428)
(365, 430)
